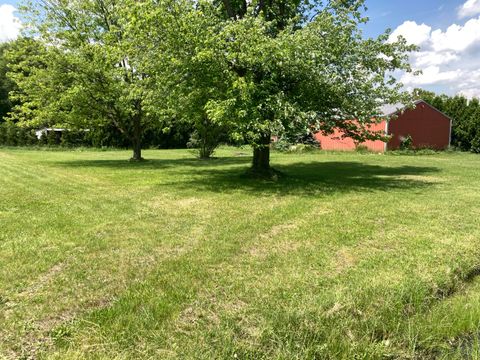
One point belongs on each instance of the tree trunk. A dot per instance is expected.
(261, 156)
(137, 151)
(137, 140)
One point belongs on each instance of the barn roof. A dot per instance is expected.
(391, 109)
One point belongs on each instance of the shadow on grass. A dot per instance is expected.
(152, 164)
(229, 174)
(311, 179)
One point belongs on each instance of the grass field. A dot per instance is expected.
(348, 256)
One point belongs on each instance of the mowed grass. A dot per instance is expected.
(346, 256)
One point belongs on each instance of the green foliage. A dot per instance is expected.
(281, 144)
(205, 140)
(6, 85)
(249, 69)
(360, 148)
(263, 68)
(89, 78)
(13, 135)
(406, 143)
(296, 141)
(53, 138)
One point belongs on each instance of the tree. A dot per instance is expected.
(6, 85)
(88, 78)
(173, 41)
(304, 64)
(283, 65)
(26, 70)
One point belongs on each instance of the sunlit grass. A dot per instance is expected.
(345, 255)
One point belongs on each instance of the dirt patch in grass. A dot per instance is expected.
(278, 230)
(275, 242)
(187, 202)
(43, 280)
(201, 310)
(344, 259)
(43, 333)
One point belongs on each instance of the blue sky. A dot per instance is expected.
(391, 13)
(385, 14)
(447, 32)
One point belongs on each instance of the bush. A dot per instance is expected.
(74, 138)
(13, 135)
(43, 139)
(204, 145)
(302, 148)
(206, 138)
(297, 143)
(362, 148)
(53, 138)
(281, 145)
(106, 137)
(406, 143)
(475, 145)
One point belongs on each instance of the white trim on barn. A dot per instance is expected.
(386, 134)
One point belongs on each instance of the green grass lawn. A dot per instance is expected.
(347, 256)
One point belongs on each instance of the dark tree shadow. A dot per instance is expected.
(152, 164)
(310, 179)
(313, 178)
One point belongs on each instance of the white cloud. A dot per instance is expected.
(414, 34)
(429, 58)
(469, 8)
(10, 25)
(456, 37)
(432, 75)
(448, 58)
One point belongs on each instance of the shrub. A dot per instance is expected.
(74, 138)
(297, 143)
(52, 138)
(43, 139)
(281, 145)
(475, 144)
(206, 138)
(204, 146)
(362, 148)
(14, 135)
(3, 134)
(406, 143)
(302, 148)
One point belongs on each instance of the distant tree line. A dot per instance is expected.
(465, 114)
(11, 134)
(6, 85)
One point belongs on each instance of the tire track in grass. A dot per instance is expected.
(175, 283)
(379, 251)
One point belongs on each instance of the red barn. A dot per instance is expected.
(427, 126)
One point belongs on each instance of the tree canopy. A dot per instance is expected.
(87, 77)
(252, 69)
(6, 84)
(265, 67)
